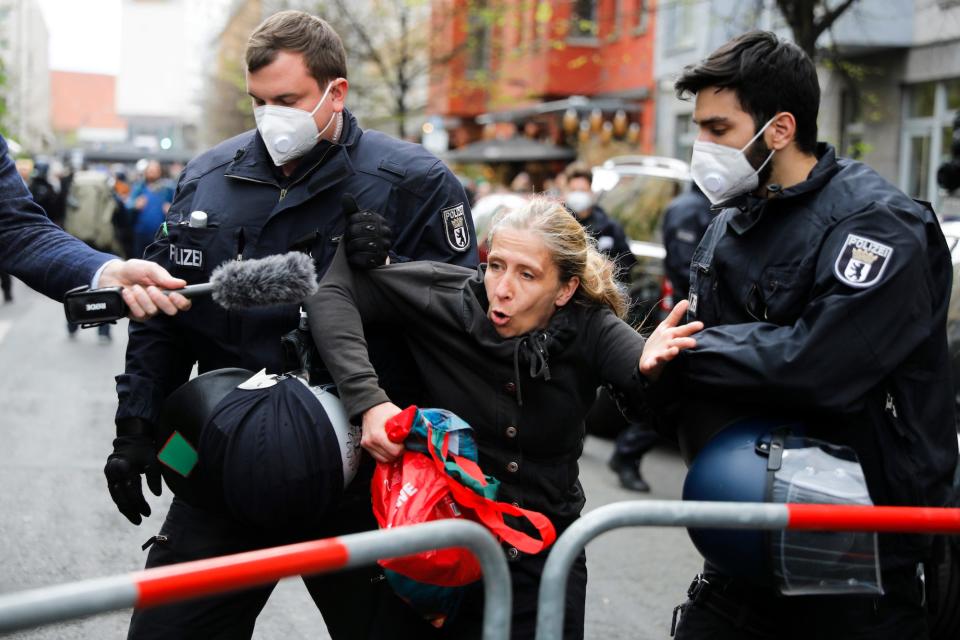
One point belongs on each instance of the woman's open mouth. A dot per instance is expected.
(499, 318)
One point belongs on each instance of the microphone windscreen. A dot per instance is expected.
(286, 278)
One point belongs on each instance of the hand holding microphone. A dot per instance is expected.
(287, 278)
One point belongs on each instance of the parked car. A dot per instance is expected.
(635, 191)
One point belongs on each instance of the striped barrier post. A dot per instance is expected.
(718, 515)
(164, 585)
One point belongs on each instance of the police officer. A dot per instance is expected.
(634, 439)
(267, 191)
(608, 233)
(824, 293)
(684, 221)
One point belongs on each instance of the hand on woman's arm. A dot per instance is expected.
(375, 439)
(667, 341)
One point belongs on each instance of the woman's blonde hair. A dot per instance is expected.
(574, 251)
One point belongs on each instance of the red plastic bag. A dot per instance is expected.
(422, 487)
(410, 490)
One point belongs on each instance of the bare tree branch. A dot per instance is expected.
(828, 18)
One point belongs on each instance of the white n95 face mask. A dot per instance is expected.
(579, 201)
(724, 172)
(287, 132)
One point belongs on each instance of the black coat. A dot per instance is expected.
(253, 211)
(611, 240)
(828, 303)
(525, 397)
(684, 222)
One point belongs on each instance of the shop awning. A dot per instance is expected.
(512, 150)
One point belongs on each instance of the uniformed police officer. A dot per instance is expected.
(824, 292)
(275, 189)
(684, 221)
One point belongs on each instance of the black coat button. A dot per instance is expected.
(512, 467)
(510, 388)
(511, 432)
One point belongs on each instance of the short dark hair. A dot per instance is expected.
(768, 75)
(299, 32)
(578, 170)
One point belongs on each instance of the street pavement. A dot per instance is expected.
(58, 524)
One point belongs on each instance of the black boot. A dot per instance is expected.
(628, 472)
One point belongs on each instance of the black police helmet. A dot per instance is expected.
(271, 453)
(182, 418)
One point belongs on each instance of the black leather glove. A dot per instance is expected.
(368, 237)
(133, 454)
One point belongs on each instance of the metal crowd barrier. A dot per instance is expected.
(164, 585)
(718, 515)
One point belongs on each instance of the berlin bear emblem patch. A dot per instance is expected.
(456, 227)
(861, 261)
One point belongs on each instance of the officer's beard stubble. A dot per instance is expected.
(756, 155)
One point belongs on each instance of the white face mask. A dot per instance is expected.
(579, 201)
(723, 172)
(287, 132)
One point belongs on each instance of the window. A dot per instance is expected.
(680, 25)
(640, 17)
(614, 20)
(478, 39)
(919, 178)
(851, 125)
(922, 97)
(583, 19)
(684, 135)
(929, 110)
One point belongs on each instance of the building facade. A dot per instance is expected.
(889, 76)
(23, 51)
(525, 64)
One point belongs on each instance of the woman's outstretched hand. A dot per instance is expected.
(666, 342)
(374, 438)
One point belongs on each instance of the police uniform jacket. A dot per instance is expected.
(253, 211)
(684, 222)
(827, 302)
(611, 239)
(525, 397)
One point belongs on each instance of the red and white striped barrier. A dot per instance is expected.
(718, 515)
(164, 585)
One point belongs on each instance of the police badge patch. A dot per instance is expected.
(861, 261)
(456, 227)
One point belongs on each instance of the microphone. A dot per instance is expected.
(286, 278)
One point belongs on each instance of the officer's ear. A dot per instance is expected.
(781, 131)
(338, 93)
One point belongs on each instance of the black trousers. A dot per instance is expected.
(397, 620)
(635, 441)
(728, 609)
(347, 599)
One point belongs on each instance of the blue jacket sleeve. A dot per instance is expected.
(438, 224)
(846, 340)
(34, 249)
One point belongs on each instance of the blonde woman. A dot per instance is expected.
(517, 348)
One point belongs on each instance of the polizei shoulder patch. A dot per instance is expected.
(862, 261)
(456, 227)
